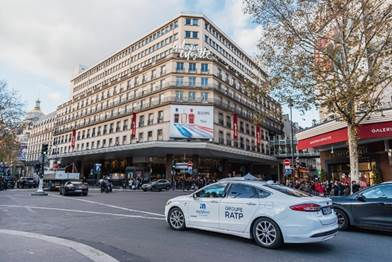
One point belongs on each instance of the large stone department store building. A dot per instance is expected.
(176, 95)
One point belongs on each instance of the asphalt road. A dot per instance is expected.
(129, 226)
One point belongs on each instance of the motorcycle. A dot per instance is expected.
(106, 186)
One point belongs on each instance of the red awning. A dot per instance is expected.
(368, 131)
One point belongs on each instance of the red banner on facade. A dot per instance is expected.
(235, 126)
(133, 125)
(368, 131)
(73, 138)
(258, 134)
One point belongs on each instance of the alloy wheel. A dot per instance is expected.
(177, 219)
(266, 233)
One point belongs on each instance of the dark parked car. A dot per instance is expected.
(26, 182)
(74, 187)
(368, 208)
(157, 185)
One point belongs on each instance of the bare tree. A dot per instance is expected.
(10, 121)
(333, 54)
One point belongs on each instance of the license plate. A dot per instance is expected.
(326, 210)
(78, 190)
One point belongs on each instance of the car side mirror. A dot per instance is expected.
(194, 196)
(361, 198)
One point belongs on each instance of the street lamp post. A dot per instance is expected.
(40, 191)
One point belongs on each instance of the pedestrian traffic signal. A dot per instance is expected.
(44, 149)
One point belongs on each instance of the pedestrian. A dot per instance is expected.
(355, 186)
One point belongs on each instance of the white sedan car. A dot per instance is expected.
(271, 214)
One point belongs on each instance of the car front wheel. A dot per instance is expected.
(342, 219)
(267, 233)
(176, 219)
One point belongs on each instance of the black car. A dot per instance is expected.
(74, 187)
(368, 208)
(26, 182)
(157, 185)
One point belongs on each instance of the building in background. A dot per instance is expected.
(177, 95)
(21, 167)
(306, 162)
(41, 133)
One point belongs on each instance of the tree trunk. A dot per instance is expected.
(353, 151)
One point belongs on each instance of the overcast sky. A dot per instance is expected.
(43, 42)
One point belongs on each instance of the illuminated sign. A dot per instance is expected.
(192, 52)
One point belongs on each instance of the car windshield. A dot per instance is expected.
(288, 191)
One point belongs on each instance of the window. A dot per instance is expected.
(221, 138)
(160, 116)
(180, 66)
(99, 131)
(215, 191)
(163, 69)
(98, 143)
(192, 81)
(378, 192)
(124, 140)
(111, 128)
(179, 81)
(110, 141)
(242, 191)
(228, 121)
(160, 134)
(125, 125)
(141, 121)
(204, 67)
(191, 96)
(104, 143)
(118, 126)
(179, 95)
(191, 34)
(220, 118)
(141, 136)
(204, 96)
(149, 136)
(204, 81)
(288, 191)
(192, 21)
(151, 118)
(192, 67)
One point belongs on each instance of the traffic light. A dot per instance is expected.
(44, 149)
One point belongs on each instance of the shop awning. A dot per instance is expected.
(368, 131)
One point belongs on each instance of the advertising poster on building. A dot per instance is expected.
(73, 138)
(191, 121)
(22, 153)
(133, 125)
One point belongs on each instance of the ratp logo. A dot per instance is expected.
(203, 206)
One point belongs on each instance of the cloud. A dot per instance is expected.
(53, 37)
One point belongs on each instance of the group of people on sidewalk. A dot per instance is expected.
(327, 188)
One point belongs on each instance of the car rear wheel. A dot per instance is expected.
(176, 219)
(267, 233)
(342, 219)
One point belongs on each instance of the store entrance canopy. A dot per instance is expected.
(368, 131)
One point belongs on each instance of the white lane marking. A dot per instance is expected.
(85, 250)
(29, 209)
(112, 206)
(83, 211)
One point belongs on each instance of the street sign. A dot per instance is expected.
(286, 162)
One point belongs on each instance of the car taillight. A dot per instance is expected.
(309, 207)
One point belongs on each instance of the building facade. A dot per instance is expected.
(177, 95)
(375, 146)
(306, 161)
(40, 133)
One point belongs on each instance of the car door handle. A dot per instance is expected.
(251, 204)
(214, 201)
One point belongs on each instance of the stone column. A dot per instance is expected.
(169, 159)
